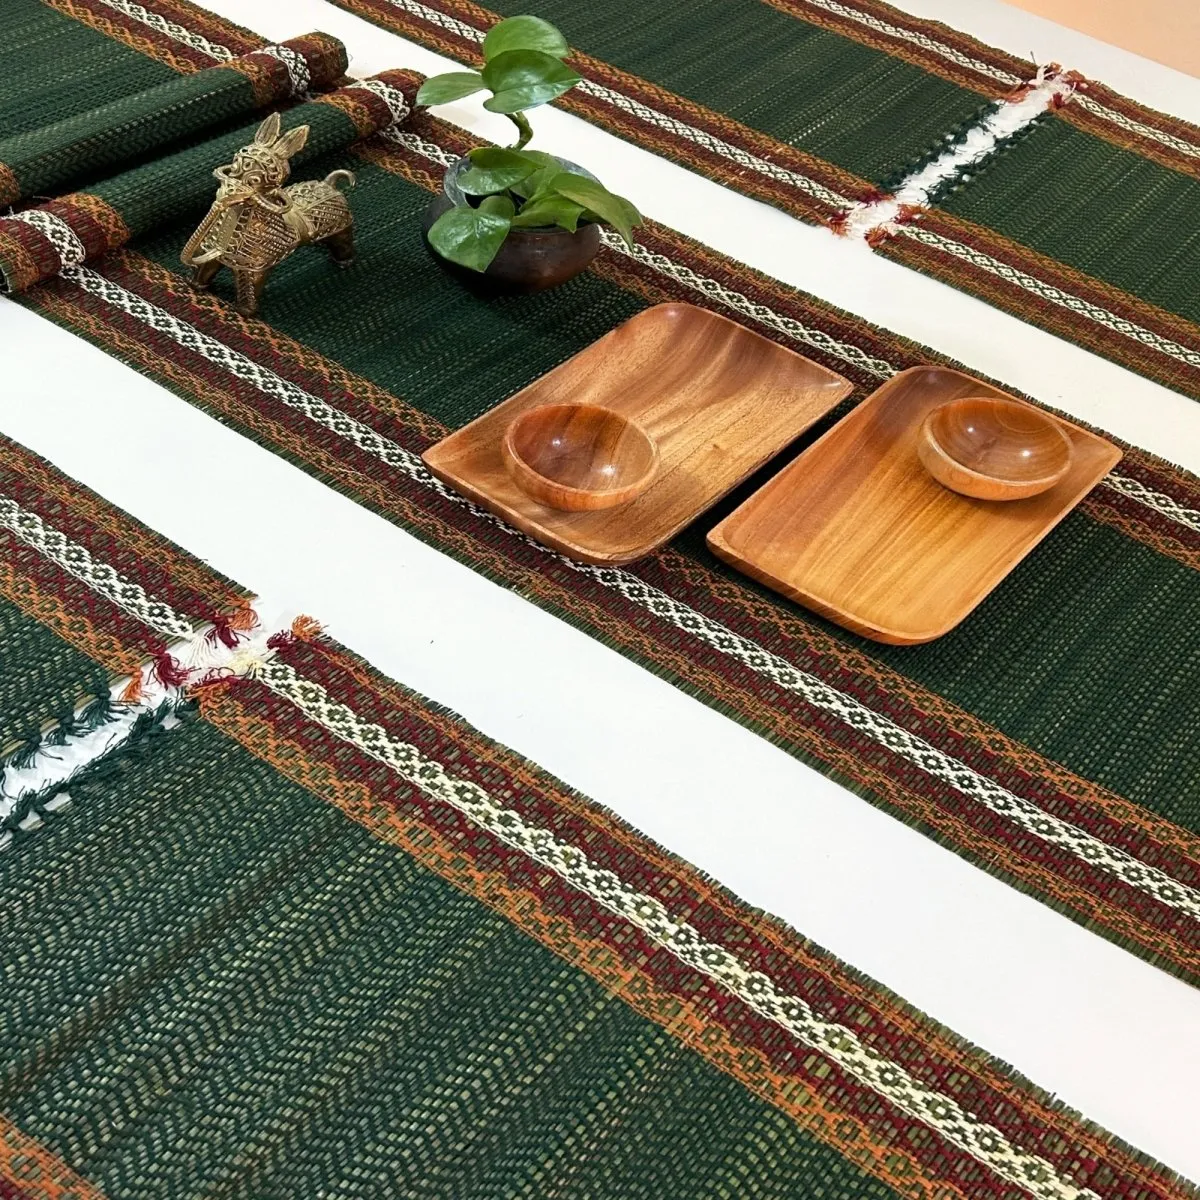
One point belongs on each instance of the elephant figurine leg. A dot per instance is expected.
(249, 291)
(202, 276)
(341, 245)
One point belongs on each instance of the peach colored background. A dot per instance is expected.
(1165, 30)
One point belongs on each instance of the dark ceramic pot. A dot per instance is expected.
(530, 259)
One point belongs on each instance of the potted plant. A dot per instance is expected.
(520, 219)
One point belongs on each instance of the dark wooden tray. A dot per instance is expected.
(857, 529)
(718, 399)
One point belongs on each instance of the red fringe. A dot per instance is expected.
(227, 626)
(170, 673)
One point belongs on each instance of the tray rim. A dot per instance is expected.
(716, 542)
(545, 533)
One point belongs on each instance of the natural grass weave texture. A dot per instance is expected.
(331, 922)
(1063, 705)
(42, 161)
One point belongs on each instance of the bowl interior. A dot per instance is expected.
(583, 447)
(1001, 439)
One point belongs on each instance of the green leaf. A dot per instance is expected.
(493, 169)
(524, 33)
(498, 206)
(549, 210)
(454, 85)
(613, 210)
(535, 184)
(524, 79)
(469, 236)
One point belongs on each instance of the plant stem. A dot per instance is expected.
(523, 129)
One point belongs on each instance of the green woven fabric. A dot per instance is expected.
(1101, 209)
(53, 67)
(866, 111)
(93, 143)
(1085, 653)
(42, 677)
(166, 188)
(244, 994)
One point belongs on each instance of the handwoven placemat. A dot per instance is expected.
(1094, 240)
(1051, 738)
(1089, 229)
(87, 594)
(44, 159)
(328, 939)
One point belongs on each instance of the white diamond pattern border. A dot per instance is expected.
(76, 560)
(1024, 813)
(793, 1013)
(171, 29)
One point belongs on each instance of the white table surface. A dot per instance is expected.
(1116, 1038)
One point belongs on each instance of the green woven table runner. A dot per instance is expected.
(44, 159)
(317, 936)
(1094, 241)
(1051, 738)
(1089, 228)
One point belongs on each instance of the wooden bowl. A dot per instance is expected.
(993, 449)
(579, 457)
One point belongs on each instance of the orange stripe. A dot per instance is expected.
(40, 1174)
(600, 960)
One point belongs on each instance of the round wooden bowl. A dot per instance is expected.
(579, 457)
(993, 449)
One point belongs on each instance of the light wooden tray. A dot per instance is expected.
(856, 529)
(718, 399)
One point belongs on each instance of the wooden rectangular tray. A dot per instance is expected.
(856, 529)
(717, 398)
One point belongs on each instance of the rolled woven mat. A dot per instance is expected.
(39, 242)
(42, 160)
(63, 58)
(1053, 738)
(314, 935)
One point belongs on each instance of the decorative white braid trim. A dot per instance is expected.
(173, 30)
(393, 97)
(790, 1012)
(715, 145)
(70, 250)
(917, 39)
(296, 65)
(1055, 295)
(742, 305)
(427, 149)
(99, 576)
(1083, 100)
(1159, 501)
(811, 690)
(441, 19)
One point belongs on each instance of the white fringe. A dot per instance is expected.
(1007, 118)
(54, 764)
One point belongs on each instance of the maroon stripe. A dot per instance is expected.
(158, 579)
(638, 868)
(742, 687)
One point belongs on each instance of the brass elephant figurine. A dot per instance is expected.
(255, 222)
